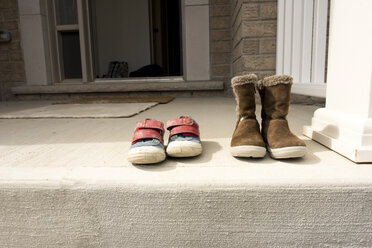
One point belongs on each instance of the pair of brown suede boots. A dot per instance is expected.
(275, 135)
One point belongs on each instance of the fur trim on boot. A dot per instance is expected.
(245, 79)
(274, 80)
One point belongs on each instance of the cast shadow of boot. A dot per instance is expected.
(310, 157)
(170, 163)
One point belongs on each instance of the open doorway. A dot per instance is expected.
(166, 35)
(141, 38)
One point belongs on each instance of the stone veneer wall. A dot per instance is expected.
(254, 24)
(12, 70)
(253, 32)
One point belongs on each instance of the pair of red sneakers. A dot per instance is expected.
(148, 144)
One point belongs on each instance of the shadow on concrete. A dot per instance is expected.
(309, 159)
(209, 148)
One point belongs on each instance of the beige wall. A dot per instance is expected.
(196, 40)
(123, 33)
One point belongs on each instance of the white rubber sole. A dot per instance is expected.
(248, 151)
(288, 152)
(184, 148)
(146, 155)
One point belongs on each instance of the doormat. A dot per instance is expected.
(161, 100)
(55, 111)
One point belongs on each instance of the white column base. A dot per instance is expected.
(349, 135)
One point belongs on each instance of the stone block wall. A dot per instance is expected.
(254, 24)
(220, 41)
(12, 70)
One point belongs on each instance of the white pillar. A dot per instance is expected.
(345, 124)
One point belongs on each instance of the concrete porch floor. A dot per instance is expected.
(66, 182)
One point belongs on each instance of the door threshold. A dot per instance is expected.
(120, 86)
(139, 79)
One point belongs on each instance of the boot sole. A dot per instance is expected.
(248, 151)
(287, 152)
(146, 155)
(184, 148)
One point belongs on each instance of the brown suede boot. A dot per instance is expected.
(247, 140)
(275, 94)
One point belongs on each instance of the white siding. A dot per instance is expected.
(301, 52)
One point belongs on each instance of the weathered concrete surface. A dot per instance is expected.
(39, 110)
(66, 183)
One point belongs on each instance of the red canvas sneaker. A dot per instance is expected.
(184, 139)
(147, 144)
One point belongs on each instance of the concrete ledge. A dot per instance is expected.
(67, 183)
(122, 86)
(77, 215)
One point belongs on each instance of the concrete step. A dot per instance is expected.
(66, 183)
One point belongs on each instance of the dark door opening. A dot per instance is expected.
(166, 36)
(139, 38)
